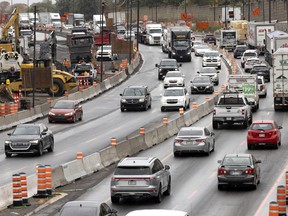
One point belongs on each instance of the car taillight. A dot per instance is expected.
(249, 171)
(115, 179)
(200, 140)
(222, 171)
(243, 111)
(178, 140)
(263, 86)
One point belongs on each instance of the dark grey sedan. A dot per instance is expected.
(194, 139)
(238, 169)
(202, 84)
(29, 138)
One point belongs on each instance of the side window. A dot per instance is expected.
(157, 166)
(206, 131)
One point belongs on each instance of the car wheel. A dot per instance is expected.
(217, 83)
(150, 105)
(245, 124)
(276, 146)
(162, 109)
(208, 151)
(115, 200)
(213, 146)
(176, 154)
(168, 191)
(159, 77)
(122, 109)
(220, 187)
(8, 155)
(188, 105)
(158, 198)
(249, 146)
(40, 149)
(215, 125)
(51, 147)
(81, 117)
(74, 119)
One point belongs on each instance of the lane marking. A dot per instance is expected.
(192, 194)
(213, 174)
(166, 158)
(60, 153)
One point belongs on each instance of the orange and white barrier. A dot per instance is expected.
(23, 180)
(79, 156)
(17, 191)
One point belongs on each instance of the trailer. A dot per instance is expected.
(232, 13)
(228, 39)
(76, 19)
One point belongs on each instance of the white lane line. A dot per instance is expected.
(166, 158)
(91, 140)
(60, 153)
(192, 194)
(213, 174)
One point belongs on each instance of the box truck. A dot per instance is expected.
(228, 39)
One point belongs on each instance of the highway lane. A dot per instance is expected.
(103, 119)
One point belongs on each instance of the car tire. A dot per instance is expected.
(217, 83)
(213, 146)
(115, 200)
(122, 109)
(220, 187)
(168, 191)
(74, 119)
(188, 105)
(249, 147)
(245, 124)
(158, 198)
(81, 117)
(51, 147)
(40, 149)
(8, 155)
(162, 109)
(215, 125)
(159, 77)
(176, 154)
(276, 146)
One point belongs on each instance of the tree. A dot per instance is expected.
(4, 6)
(87, 7)
(45, 6)
(64, 6)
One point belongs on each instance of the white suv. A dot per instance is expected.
(106, 54)
(175, 98)
(248, 54)
(174, 78)
(211, 59)
(261, 86)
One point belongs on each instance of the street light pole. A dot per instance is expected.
(214, 10)
(249, 10)
(270, 11)
(263, 10)
(130, 29)
(102, 35)
(138, 6)
(225, 14)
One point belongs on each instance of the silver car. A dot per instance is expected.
(140, 177)
(211, 72)
(194, 139)
(261, 87)
(201, 49)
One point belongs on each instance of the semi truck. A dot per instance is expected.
(151, 34)
(256, 34)
(273, 41)
(179, 43)
(76, 19)
(228, 39)
(280, 79)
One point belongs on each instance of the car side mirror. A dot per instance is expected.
(180, 65)
(212, 133)
(221, 55)
(121, 94)
(198, 72)
(258, 161)
(167, 167)
(280, 127)
(219, 161)
(43, 133)
(218, 71)
(148, 93)
(9, 134)
(156, 65)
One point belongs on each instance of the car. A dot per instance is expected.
(194, 139)
(261, 87)
(67, 26)
(201, 49)
(140, 177)
(135, 97)
(106, 54)
(238, 170)
(211, 72)
(165, 66)
(248, 65)
(66, 111)
(248, 54)
(195, 44)
(264, 133)
(87, 208)
(239, 50)
(174, 78)
(29, 139)
(212, 58)
(85, 71)
(127, 35)
(210, 38)
(157, 212)
(202, 84)
(175, 98)
(261, 70)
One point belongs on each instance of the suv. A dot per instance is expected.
(135, 97)
(212, 59)
(209, 38)
(248, 54)
(175, 98)
(106, 54)
(140, 177)
(85, 70)
(261, 70)
(165, 66)
(261, 87)
(239, 50)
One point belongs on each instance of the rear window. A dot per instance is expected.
(174, 92)
(250, 54)
(83, 67)
(190, 133)
(168, 63)
(231, 101)
(76, 210)
(139, 170)
(262, 126)
(241, 48)
(260, 68)
(236, 161)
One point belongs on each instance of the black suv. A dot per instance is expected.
(135, 97)
(209, 38)
(165, 66)
(261, 70)
(239, 50)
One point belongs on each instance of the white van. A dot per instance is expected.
(97, 22)
(157, 212)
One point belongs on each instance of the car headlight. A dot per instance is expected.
(69, 114)
(189, 52)
(181, 100)
(7, 142)
(163, 100)
(141, 100)
(173, 52)
(34, 141)
(123, 100)
(51, 113)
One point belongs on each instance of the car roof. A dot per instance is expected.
(82, 203)
(157, 212)
(136, 161)
(238, 155)
(192, 128)
(250, 50)
(263, 121)
(136, 86)
(174, 88)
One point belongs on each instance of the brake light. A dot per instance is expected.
(178, 140)
(249, 171)
(200, 140)
(115, 179)
(243, 111)
(222, 171)
(263, 86)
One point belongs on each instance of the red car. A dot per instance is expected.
(264, 132)
(66, 111)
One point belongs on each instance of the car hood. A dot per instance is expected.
(61, 111)
(173, 97)
(201, 84)
(208, 74)
(156, 34)
(17, 138)
(133, 97)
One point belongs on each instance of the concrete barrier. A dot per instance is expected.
(6, 198)
(78, 96)
(108, 156)
(180, 122)
(130, 69)
(86, 94)
(187, 118)
(162, 132)
(137, 144)
(45, 108)
(37, 112)
(151, 138)
(107, 84)
(58, 178)
(114, 80)
(32, 184)
(172, 128)
(123, 149)
(92, 163)
(73, 170)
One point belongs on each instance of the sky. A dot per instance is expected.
(26, 1)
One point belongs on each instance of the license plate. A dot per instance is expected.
(229, 118)
(235, 172)
(262, 143)
(261, 135)
(131, 182)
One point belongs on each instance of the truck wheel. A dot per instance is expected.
(57, 89)
(169, 54)
(245, 124)
(215, 125)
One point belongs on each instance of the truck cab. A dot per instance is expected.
(151, 34)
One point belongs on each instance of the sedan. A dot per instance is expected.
(201, 49)
(261, 70)
(29, 139)
(210, 72)
(66, 111)
(194, 139)
(202, 84)
(237, 170)
(262, 133)
(174, 78)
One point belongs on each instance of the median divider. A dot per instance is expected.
(92, 163)
(58, 177)
(172, 127)
(151, 138)
(162, 132)
(73, 170)
(108, 156)
(180, 122)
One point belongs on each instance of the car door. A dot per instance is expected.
(158, 170)
(257, 167)
(44, 135)
(208, 138)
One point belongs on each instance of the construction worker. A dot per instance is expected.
(66, 64)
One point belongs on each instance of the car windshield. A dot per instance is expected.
(241, 48)
(155, 30)
(23, 33)
(236, 161)
(183, 43)
(174, 92)
(83, 67)
(262, 126)
(202, 79)
(202, 47)
(207, 70)
(252, 61)
(190, 133)
(211, 54)
(26, 130)
(105, 48)
(63, 105)
(134, 92)
(259, 81)
(76, 210)
(133, 170)
(197, 43)
(168, 63)
(260, 68)
(250, 54)
(173, 74)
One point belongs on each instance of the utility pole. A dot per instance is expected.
(225, 14)
(138, 6)
(102, 35)
(130, 30)
(263, 10)
(214, 10)
(243, 9)
(34, 59)
(270, 11)
(249, 5)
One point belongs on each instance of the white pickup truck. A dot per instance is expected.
(232, 108)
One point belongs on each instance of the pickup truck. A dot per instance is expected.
(232, 108)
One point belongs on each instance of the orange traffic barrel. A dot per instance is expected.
(142, 130)
(2, 109)
(41, 182)
(216, 93)
(194, 105)
(48, 174)
(222, 87)
(207, 98)
(7, 108)
(273, 209)
(113, 142)
(13, 108)
(281, 200)
(17, 192)
(181, 111)
(79, 156)
(165, 121)
(23, 181)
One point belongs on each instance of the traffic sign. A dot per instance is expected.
(186, 16)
